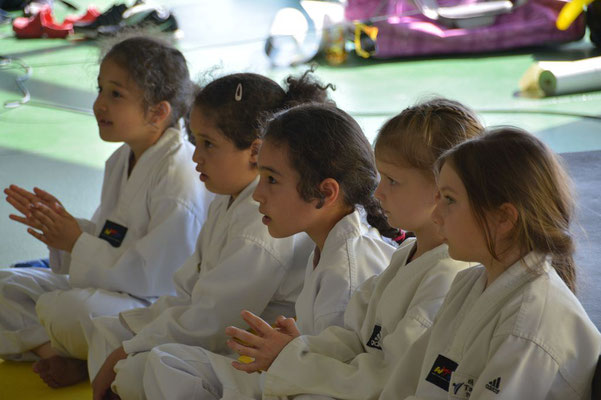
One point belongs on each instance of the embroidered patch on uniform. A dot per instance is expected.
(113, 233)
(441, 371)
(469, 386)
(494, 385)
(463, 389)
(376, 337)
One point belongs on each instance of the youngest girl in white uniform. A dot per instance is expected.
(151, 211)
(389, 312)
(305, 188)
(512, 327)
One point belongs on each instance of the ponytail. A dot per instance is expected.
(566, 269)
(560, 245)
(306, 89)
(377, 218)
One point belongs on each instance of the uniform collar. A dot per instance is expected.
(244, 194)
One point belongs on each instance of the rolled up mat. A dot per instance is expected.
(553, 78)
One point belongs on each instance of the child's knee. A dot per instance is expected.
(60, 313)
(47, 306)
(63, 306)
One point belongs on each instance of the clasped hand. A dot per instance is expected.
(46, 217)
(264, 345)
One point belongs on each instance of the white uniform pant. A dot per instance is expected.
(184, 372)
(38, 306)
(104, 335)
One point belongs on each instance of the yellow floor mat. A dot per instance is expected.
(18, 381)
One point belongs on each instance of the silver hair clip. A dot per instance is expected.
(238, 95)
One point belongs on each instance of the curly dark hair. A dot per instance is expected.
(158, 69)
(238, 103)
(322, 141)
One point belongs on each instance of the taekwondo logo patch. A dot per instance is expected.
(463, 389)
(457, 386)
(376, 337)
(494, 385)
(441, 371)
(113, 233)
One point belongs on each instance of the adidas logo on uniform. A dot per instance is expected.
(494, 385)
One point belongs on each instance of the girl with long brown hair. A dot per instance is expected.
(510, 328)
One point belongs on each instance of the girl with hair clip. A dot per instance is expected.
(388, 312)
(237, 264)
(146, 225)
(317, 171)
(512, 327)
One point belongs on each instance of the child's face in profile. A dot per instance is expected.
(223, 167)
(119, 107)
(285, 212)
(406, 195)
(456, 221)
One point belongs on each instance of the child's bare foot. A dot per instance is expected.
(60, 371)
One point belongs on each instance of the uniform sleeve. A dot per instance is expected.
(217, 300)
(184, 278)
(330, 364)
(361, 375)
(352, 373)
(305, 361)
(60, 261)
(521, 369)
(145, 267)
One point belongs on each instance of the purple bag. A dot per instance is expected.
(403, 30)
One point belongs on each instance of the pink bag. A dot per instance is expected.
(403, 30)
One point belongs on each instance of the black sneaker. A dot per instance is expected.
(112, 17)
(143, 16)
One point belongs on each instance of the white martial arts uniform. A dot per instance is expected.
(145, 227)
(385, 316)
(237, 265)
(351, 254)
(526, 336)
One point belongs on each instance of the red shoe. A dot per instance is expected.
(30, 27)
(41, 25)
(91, 14)
(50, 29)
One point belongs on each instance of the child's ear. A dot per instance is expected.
(330, 189)
(507, 218)
(255, 147)
(160, 112)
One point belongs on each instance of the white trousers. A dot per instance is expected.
(175, 371)
(104, 335)
(38, 306)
